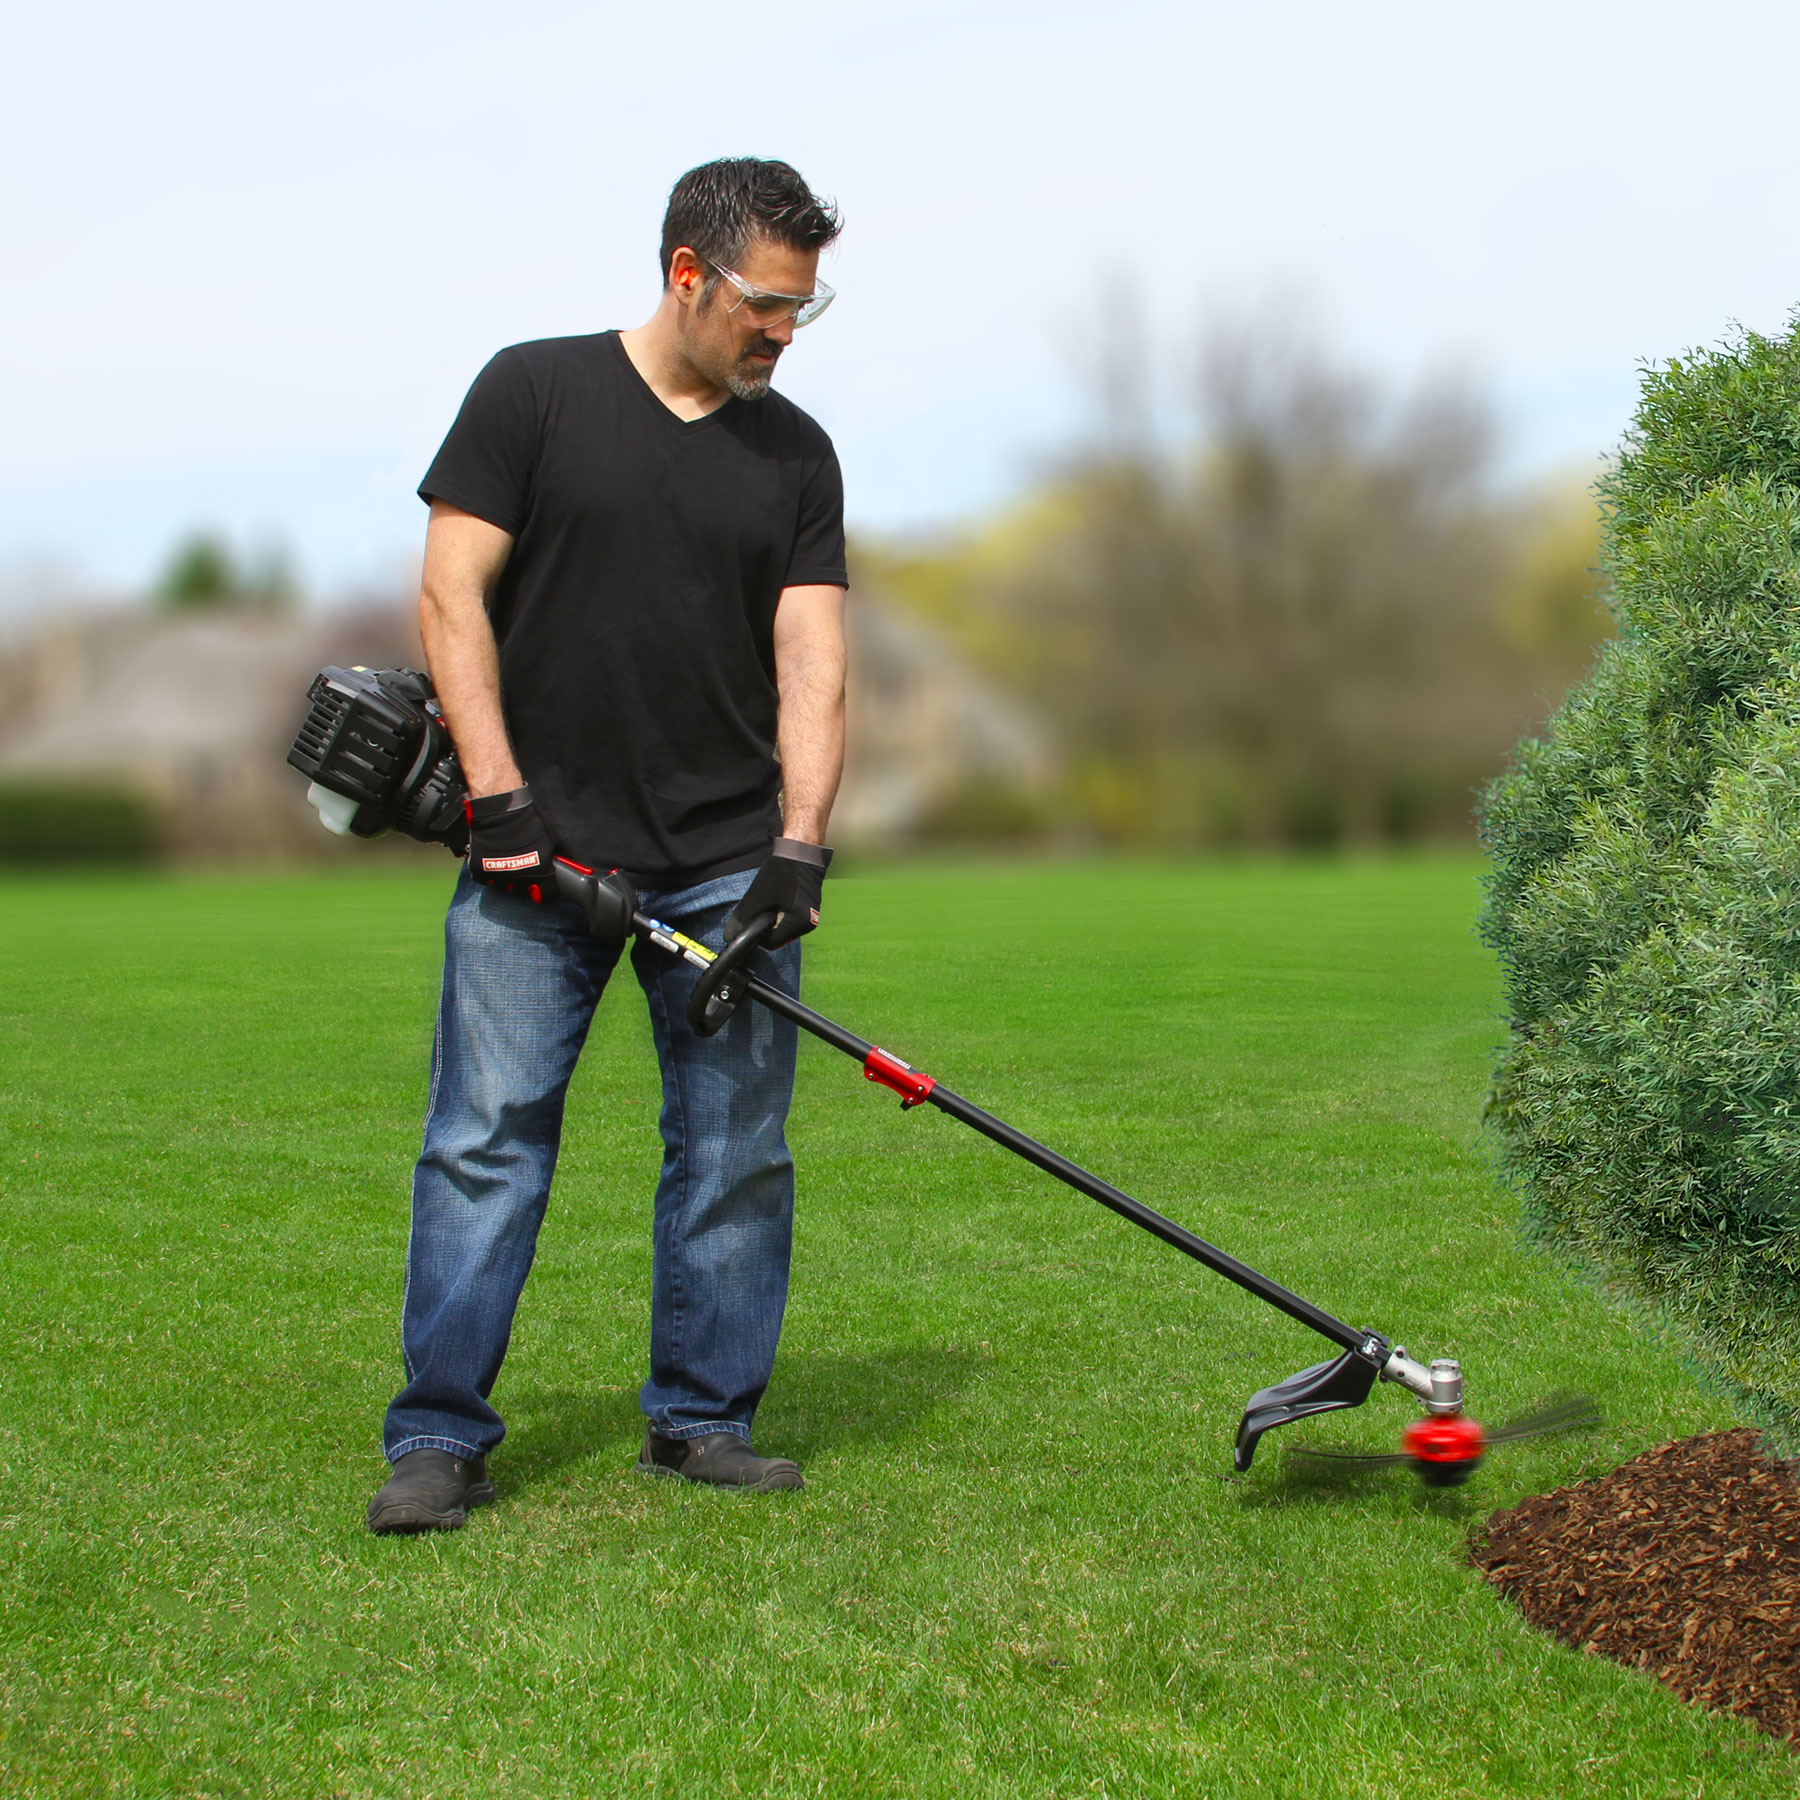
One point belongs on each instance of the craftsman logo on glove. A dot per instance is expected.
(505, 865)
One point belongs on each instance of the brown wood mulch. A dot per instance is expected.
(1684, 1562)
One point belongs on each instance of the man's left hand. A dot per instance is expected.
(788, 885)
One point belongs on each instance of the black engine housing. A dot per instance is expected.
(376, 737)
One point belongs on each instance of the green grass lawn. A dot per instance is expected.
(1022, 1565)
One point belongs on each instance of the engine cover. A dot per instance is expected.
(375, 739)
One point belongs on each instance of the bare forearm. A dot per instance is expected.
(465, 669)
(463, 559)
(811, 736)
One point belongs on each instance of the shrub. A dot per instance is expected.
(1644, 894)
(43, 822)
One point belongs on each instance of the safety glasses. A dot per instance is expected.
(764, 309)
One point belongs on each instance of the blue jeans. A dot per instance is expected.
(520, 986)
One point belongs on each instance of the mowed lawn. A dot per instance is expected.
(1022, 1564)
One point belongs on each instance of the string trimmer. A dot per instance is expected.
(379, 756)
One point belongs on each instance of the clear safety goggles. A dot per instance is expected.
(764, 309)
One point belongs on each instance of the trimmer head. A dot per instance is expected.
(1444, 1452)
(1445, 1449)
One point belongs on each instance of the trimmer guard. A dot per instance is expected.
(1325, 1387)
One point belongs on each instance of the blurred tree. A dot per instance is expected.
(1553, 610)
(202, 574)
(1324, 624)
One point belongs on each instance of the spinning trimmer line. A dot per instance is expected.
(375, 747)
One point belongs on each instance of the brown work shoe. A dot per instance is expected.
(721, 1459)
(430, 1490)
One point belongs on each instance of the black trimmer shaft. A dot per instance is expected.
(916, 1088)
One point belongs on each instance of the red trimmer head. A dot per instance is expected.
(1446, 1452)
(1445, 1449)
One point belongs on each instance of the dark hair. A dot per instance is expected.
(720, 208)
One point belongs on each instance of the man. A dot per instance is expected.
(632, 608)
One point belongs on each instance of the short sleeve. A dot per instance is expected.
(489, 460)
(818, 556)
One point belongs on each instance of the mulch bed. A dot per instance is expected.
(1684, 1562)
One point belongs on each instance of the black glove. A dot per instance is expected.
(508, 847)
(787, 885)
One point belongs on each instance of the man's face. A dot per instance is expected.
(721, 341)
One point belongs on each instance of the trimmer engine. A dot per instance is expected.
(379, 757)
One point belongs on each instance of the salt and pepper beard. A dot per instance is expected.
(751, 387)
(732, 377)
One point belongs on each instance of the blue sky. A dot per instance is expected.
(255, 254)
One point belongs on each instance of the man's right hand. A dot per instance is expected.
(508, 846)
(788, 886)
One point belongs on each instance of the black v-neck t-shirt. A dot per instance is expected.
(635, 615)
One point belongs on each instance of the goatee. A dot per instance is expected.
(749, 387)
(745, 380)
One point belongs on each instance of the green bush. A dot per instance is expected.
(1644, 895)
(43, 822)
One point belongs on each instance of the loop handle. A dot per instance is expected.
(718, 991)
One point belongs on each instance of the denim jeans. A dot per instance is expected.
(520, 985)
